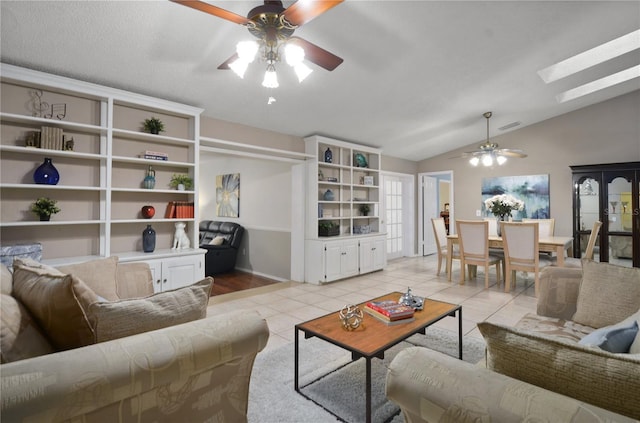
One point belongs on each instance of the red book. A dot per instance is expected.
(391, 309)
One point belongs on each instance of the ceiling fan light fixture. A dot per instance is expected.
(294, 54)
(247, 50)
(501, 160)
(302, 71)
(474, 161)
(270, 78)
(239, 66)
(487, 160)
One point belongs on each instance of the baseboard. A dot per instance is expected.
(264, 275)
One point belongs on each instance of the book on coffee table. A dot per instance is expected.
(384, 319)
(390, 310)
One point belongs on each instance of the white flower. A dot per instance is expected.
(503, 204)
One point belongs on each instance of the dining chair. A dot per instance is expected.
(546, 227)
(440, 233)
(474, 249)
(521, 251)
(588, 253)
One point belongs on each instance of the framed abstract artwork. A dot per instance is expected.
(228, 195)
(533, 190)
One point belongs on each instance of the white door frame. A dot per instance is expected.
(408, 210)
(423, 221)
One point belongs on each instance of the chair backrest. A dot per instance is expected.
(474, 238)
(440, 232)
(520, 241)
(588, 254)
(546, 227)
(493, 225)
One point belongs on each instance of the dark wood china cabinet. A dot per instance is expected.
(609, 193)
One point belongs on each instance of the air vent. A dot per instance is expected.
(509, 126)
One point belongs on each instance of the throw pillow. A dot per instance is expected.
(20, 336)
(217, 241)
(56, 301)
(132, 316)
(607, 380)
(616, 338)
(608, 294)
(99, 275)
(7, 280)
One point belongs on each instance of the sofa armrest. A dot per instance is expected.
(433, 387)
(558, 292)
(190, 372)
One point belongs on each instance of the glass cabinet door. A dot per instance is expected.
(619, 212)
(587, 213)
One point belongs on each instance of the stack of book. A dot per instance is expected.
(179, 210)
(154, 155)
(390, 312)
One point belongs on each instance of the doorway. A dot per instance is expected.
(397, 205)
(435, 197)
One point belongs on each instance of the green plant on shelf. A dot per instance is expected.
(45, 207)
(364, 209)
(327, 225)
(153, 126)
(181, 179)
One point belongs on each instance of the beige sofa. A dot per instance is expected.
(197, 370)
(537, 370)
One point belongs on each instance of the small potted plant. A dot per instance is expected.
(45, 207)
(181, 182)
(364, 209)
(153, 126)
(328, 229)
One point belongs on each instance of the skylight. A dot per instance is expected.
(599, 84)
(592, 57)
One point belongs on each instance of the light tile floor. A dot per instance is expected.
(285, 304)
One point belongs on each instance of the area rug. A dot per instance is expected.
(335, 384)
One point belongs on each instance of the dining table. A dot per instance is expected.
(550, 244)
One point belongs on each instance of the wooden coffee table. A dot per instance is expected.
(374, 337)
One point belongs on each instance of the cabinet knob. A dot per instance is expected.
(158, 281)
(164, 281)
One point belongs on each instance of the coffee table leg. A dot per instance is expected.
(368, 389)
(295, 359)
(459, 333)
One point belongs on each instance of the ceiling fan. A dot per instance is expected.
(273, 25)
(489, 153)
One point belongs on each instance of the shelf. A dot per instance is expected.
(77, 127)
(52, 187)
(149, 221)
(150, 162)
(50, 223)
(153, 191)
(143, 136)
(55, 153)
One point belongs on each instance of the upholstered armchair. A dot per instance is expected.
(222, 241)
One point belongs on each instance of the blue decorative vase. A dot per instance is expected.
(46, 173)
(328, 156)
(328, 195)
(149, 181)
(148, 239)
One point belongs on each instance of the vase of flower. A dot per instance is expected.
(501, 206)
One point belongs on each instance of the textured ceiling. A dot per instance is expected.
(417, 75)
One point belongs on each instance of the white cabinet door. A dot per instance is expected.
(332, 261)
(349, 260)
(173, 273)
(372, 254)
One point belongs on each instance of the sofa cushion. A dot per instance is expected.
(608, 294)
(112, 320)
(604, 379)
(99, 275)
(6, 279)
(20, 336)
(551, 326)
(56, 302)
(219, 240)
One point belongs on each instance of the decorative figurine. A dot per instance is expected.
(351, 317)
(411, 300)
(180, 238)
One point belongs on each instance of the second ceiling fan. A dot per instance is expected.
(273, 25)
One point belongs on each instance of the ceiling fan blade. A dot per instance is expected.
(303, 11)
(317, 55)
(225, 64)
(213, 10)
(511, 153)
